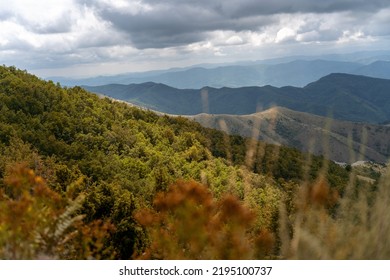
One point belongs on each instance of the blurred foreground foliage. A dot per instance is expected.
(38, 223)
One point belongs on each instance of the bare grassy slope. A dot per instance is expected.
(339, 140)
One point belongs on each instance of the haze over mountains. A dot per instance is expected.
(286, 71)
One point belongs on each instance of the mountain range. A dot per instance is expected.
(341, 96)
(290, 71)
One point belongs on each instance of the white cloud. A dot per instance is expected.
(310, 36)
(351, 36)
(285, 34)
(234, 40)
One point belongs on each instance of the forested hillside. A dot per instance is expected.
(83, 177)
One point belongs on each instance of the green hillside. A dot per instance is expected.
(83, 177)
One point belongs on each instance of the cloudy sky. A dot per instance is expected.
(93, 37)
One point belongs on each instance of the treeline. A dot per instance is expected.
(88, 177)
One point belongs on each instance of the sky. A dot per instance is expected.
(90, 37)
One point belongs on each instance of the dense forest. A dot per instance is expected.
(83, 177)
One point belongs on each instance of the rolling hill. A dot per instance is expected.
(341, 96)
(340, 141)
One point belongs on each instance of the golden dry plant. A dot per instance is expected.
(353, 226)
(188, 223)
(38, 223)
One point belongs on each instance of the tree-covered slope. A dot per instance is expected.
(108, 161)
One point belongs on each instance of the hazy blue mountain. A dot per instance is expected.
(378, 69)
(293, 73)
(302, 72)
(285, 71)
(342, 96)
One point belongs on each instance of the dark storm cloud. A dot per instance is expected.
(266, 7)
(252, 7)
(172, 24)
(165, 26)
(160, 24)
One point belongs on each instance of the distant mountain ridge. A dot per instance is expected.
(341, 96)
(298, 71)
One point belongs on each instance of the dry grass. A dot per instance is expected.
(359, 228)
